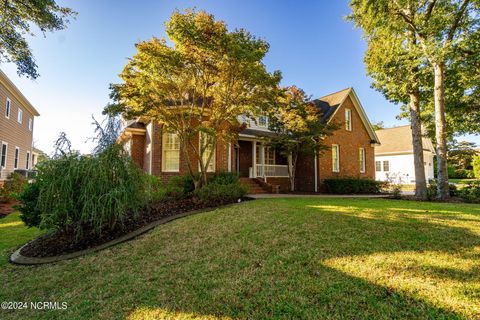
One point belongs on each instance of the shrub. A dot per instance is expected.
(12, 186)
(180, 187)
(223, 187)
(432, 190)
(155, 189)
(470, 192)
(451, 172)
(224, 177)
(353, 185)
(216, 193)
(30, 214)
(78, 192)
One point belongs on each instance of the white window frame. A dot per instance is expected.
(205, 155)
(362, 155)
(388, 165)
(8, 108)
(6, 155)
(27, 161)
(336, 161)
(378, 166)
(16, 158)
(348, 119)
(164, 150)
(20, 115)
(265, 125)
(30, 124)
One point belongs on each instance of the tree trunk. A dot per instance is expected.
(420, 180)
(440, 131)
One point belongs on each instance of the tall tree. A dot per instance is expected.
(299, 131)
(393, 62)
(198, 86)
(442, 28)
(17, 19)
(442, 31)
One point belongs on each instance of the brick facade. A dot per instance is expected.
(241, 154)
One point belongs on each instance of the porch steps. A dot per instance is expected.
(253, 186)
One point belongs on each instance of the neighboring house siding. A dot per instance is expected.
(401, 167)
(14, 133)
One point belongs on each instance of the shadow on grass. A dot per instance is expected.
(267, 261)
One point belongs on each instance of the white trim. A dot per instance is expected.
(348, 119)
(150, 133)
(361, 112)
(229, 157)
(163, 153)
(30, 124)
(8, 107)
(315, 169)
(336, 165)
(27, 161)
(213, 159)
(20, 115)
(6, 155)
(16, 158)
(362, 159)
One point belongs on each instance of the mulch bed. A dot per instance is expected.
(6, 208)
(59, 243)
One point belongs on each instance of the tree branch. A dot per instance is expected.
(457, 20)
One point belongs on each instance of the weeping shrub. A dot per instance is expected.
(77, 192)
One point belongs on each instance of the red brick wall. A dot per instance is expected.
(138, 149)
(349, 143)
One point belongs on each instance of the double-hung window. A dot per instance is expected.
(30, 124)
(8, 107)
(15, 159)
(170, 152)
(20, 115)
(205, 143)
(386, 166)
(27, 161)
(348, 119)
(361, 156)
(378, 166)
(335, 158)
(3, 155)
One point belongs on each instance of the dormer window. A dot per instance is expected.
(263, 121)
(348, 119)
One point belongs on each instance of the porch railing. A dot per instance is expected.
(271, 170)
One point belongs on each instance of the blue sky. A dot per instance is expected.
(310, 42)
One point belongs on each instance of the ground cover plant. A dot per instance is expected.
(305, 258)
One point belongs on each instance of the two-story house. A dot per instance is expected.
(349, 150)
(17, 118)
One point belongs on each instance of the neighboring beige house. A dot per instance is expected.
(394, 157)
(16, 128)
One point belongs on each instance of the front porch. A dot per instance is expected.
(254, 159)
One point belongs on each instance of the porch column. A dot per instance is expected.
(262, 159)
(254, 159)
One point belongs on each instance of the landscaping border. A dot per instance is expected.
(17, 258)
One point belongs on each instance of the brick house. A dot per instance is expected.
(349, 152)
(16, 128)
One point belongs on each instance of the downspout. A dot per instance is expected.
(315, 169)
(151, 148)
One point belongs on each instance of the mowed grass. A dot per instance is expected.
(274, 258)
(12, 234)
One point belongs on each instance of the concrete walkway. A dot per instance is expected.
(287, 195)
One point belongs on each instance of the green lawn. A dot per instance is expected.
(273, 258)
(462, 181)
(12, 234)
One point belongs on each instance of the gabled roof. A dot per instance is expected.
(4, 80)
(399, 140)
(328, 105)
